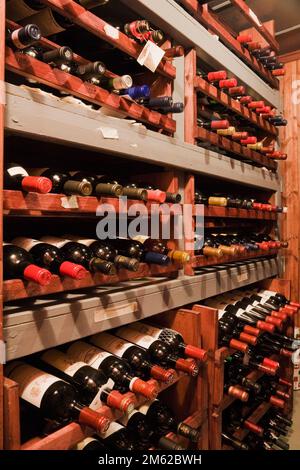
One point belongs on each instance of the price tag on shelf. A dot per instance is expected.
(69, 202)
(151, 56)
(109, 133)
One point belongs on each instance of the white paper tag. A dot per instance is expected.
(285, 209)
(109, 133)
(151, 56)
(111, 32)
(242, 277)
(69, 202)
(17, 170)
(2, 92)
(254, 17)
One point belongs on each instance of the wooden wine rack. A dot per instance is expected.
(218, 401)
(210, 20)
(192, 411)
(193, 133)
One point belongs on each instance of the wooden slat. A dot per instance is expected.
(234, 105)
(11, 415)
(190, 98)
(200, 260)
(95, 25)
(234, 147)
(255, 417)
(258, 25)
(211, 22)
(18, 289)
(32, 68)
(235, 213)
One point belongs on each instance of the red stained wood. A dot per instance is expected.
(200, 260)
(235, 213)
(95, 25)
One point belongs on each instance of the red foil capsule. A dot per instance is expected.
(253, 427)
(246, 99)
(275, 401)
(238, 345)
(249, 339)
(256, 104)
(244, 38)
(239, 136)
(270, 363)
(262, 325)
(249, 141)
(216, 76)
(229, 83)
(222, 124)
(278, 73)
(236, 91)
(250, 330)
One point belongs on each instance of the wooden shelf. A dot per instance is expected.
(19, 289)
(234, 105)
(210, 20)
(234, 147)
(255, 417)
(235, 213)
(199, 261)
(34, 204)
(98, 27)
(29, 67)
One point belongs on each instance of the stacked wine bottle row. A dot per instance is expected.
(75, 382)
(74, 256)
(253, 325)
(236, 201)
(48, 180)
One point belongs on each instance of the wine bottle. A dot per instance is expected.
(60, 58)
(80, 254)
(158, 246)
(23, 37)
(132, 191)
(56, 399)
(141, 31)
(152, 193)
(102, 185)
(91, 72)
(16, 177)
(62, 182)
(116, 83)
(136, 357)
(159, 352)
(235, 443)
(160, 416)
(213, 77)
(50, 257)
(209, 249)
(94, 387)
(135, 249)
(173, 339)
(117, 437)
(136, 92)
(214, 124)
(19, 264)
(103, 250)
(49, 21)
(147, 436)
(113, 367)
(236, 374)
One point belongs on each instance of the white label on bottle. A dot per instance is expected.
(144, 408)
(111, 32)
(82, 444)
(25, 243)
(136, 337)
(151, 56)
(32, 382)
(17, 170)
(62, 362)
(113, 427)
(125, 418)
(89, 354)
(109, 133)
(97, 403)
(254, 17)
(116, 346)
(69, 202)
(56, 241)
(147, 329)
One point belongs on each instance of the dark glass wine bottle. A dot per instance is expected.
(62, 182)
(19, 264)
(16, 177)
(23, 37)
(56, 399)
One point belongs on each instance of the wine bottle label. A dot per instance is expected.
(17, 10)
(32, 382)
(147, 329)
(125, 418)
(113, 427)
(82, 444)
(46, 21)
(114, 345)
(140, 238)
(26, 243)
(17, 170)
(55, 241)
(88, 354)
(136, 337)
(62, 362)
